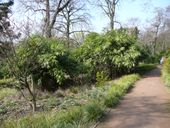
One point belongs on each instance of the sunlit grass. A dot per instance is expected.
(4, 92)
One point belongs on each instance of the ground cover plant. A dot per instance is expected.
(95, 103)
(166, 70)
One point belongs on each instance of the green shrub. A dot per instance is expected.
(166, 71)
(101, 78)
(114, 52)
(93, 111)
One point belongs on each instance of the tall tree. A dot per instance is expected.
(73, 18)
(50, 18)
(157, 25)
(50, 10)
(6, 33)
(156, 36)
(109, 8)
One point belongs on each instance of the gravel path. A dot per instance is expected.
(147, 106)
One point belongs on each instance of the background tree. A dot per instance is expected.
(6, 34)
(157, 25)
(73, 19)
(155, 37)
(49, 10)
(109, 8)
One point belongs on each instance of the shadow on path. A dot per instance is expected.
(154, 73)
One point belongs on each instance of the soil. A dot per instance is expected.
(146, 106)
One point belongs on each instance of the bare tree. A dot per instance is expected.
(50, 10)
(79, 38)
(109, 8)
(51, 19)
(72, 19)
(157, 25)
(156, 36)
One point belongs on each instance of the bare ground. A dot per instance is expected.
(147, 106)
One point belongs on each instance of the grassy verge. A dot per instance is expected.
(166, 72)
(95, 103)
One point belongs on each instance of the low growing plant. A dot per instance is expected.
(6, 92)
(166, 71)
(97, 100)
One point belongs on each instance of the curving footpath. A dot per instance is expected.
(146, 106)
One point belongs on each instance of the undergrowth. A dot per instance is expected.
(166, 72)
(97, 100)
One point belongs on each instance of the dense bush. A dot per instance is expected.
(47, 60)
(114, 52)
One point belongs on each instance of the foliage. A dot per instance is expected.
(114, 52)
(101, 78)
(78, 116)
(39, 54)
(166, 71)
(43, 57)
(7, 92)
(146, 55)
(119, 89)
(38, 62)
(93, 111)
(3, 71)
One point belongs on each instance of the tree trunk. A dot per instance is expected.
(112, 16)
(34, 107)
(112, 24)
(47, 19)
(50, 20)
(31, 89)
(34, 104)
(154, 45)
(68, 32)
(48, 33)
